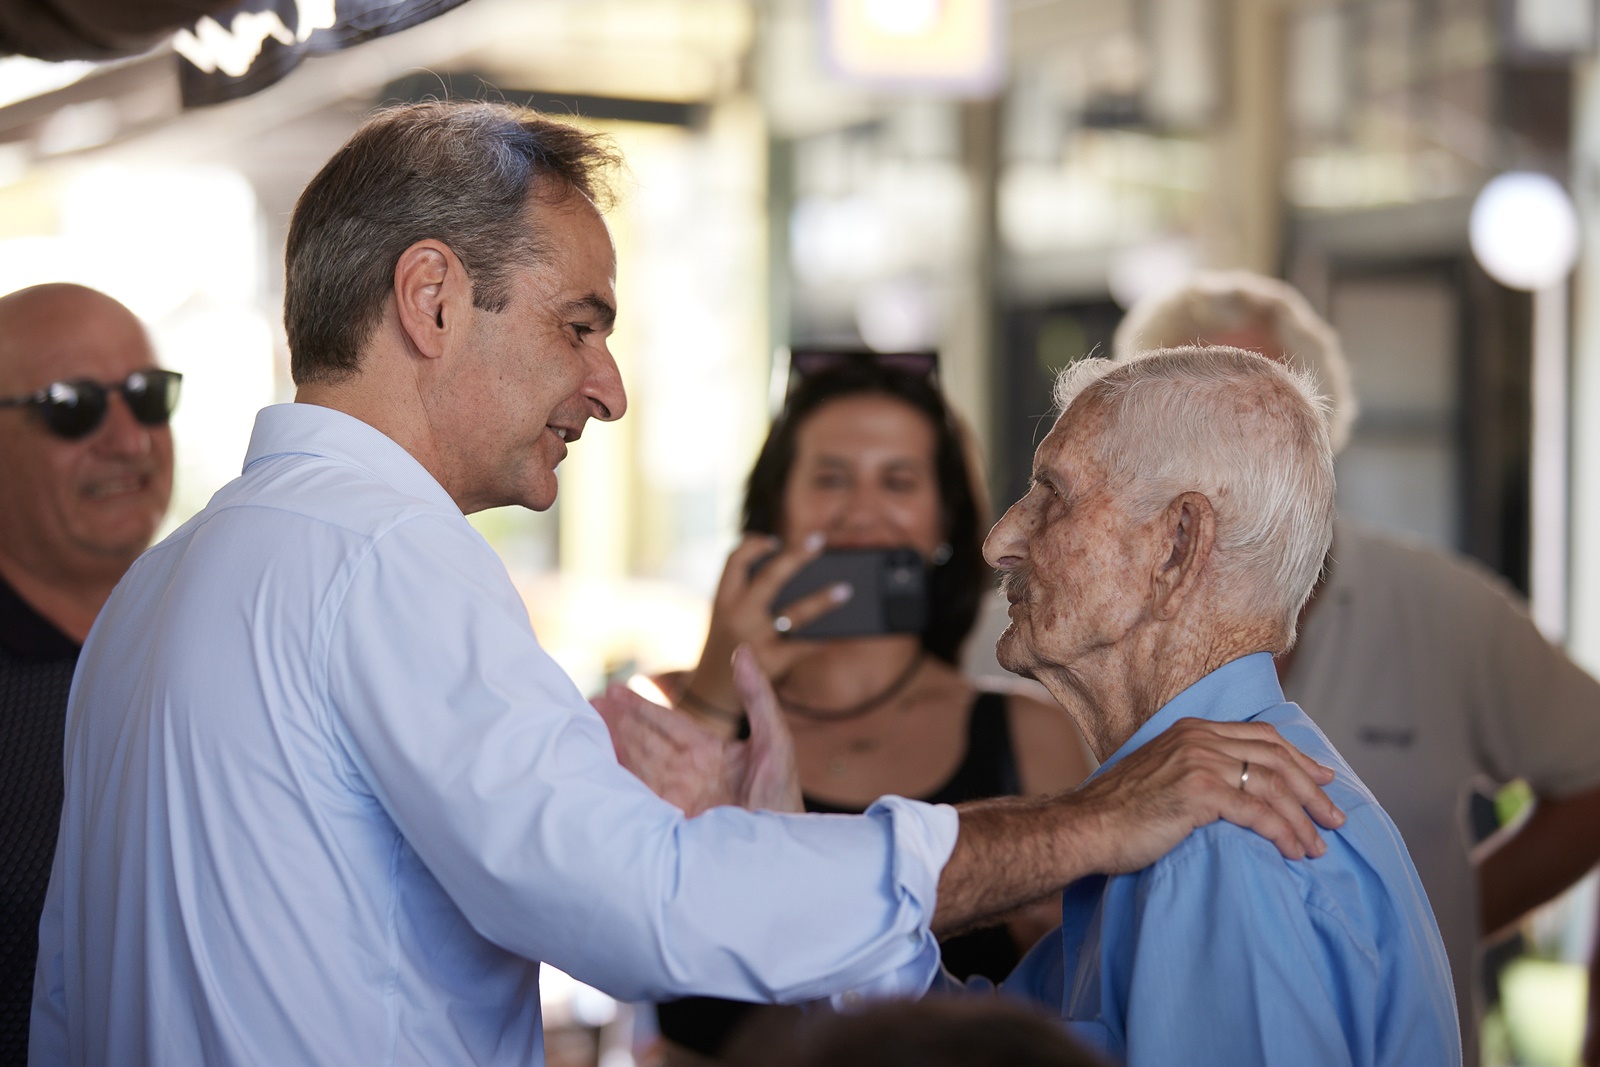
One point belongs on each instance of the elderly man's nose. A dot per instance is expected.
(1002, 548)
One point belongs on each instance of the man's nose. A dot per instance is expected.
(608, 399)
(121, 434)
(1004, 548)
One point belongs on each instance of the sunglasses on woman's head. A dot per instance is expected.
(805, 362)
(75, 409)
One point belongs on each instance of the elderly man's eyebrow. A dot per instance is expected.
(595, 307)
(1063, 487)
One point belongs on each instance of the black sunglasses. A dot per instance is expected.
(805, 362)
(76, 409)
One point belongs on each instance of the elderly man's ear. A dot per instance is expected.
(431, 291)
(1187, 532)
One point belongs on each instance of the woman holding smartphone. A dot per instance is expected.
(866, 454)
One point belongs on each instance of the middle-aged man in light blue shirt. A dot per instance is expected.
(1179, 513)
(327, 800)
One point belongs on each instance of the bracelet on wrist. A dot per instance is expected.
(689, 698)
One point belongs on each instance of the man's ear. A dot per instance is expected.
(1187, 533)
(429, 286)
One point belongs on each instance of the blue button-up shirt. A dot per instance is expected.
(1224, 953)
(327, 799)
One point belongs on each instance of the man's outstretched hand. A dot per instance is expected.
(694, 769)
(1191, 776)
(1014, 850)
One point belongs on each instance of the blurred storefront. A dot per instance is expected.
(997, 179)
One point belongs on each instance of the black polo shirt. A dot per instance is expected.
(36, 664)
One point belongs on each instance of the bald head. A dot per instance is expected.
(55, 331)
(75, 513)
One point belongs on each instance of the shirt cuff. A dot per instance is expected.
(924, 836)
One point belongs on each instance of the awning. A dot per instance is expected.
(226, 48)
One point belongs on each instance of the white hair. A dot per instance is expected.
(1249, 433)
(1215, 301)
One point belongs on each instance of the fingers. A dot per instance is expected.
(755, 692)
(639, 745)
(750, 549)
(624, 710)
(743, 613)
(1278, 770)
(682, 763)
(813, 606)
(1311, 773)
(1246, 733)
(1295, 788)
(1271, 812)
(785, 564)
(671, 725)
(1192, 775)
(772, 775)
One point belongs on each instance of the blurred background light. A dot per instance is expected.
(1150, 267)
(644, 686)
(949, 46)
(903, 18)
(22, 77)
(898, 316)
(1524, 230)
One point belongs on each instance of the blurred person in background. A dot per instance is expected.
(866, 453)
(85, 477)
(1423, 668)
(938, 1031)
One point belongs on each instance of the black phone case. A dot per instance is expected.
(890, 592)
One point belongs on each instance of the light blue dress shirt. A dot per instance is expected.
(1225, 954)
(327, 799)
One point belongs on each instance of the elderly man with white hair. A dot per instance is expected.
(1179, 513)
(1422, 667)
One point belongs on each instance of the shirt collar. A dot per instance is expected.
(1234, 692)
(28, 635)
(312, 430)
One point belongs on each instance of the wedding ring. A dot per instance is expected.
(783, 624)
(1244, 775)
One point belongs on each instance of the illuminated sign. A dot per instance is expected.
(955, 47)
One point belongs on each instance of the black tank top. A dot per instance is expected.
(988, 769)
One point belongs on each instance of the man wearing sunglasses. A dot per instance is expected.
(327, 799)
(85, 474)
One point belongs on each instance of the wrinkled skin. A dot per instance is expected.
(695, 769)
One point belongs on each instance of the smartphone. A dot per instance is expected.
(890, 592)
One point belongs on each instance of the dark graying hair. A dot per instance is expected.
(461, 173)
